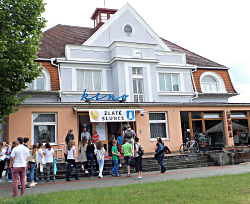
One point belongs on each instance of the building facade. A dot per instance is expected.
(121, 72)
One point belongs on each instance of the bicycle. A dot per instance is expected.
(189, 146)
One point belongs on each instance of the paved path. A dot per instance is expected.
(86, 182)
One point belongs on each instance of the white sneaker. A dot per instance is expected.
(82, 167)
(33, 184)
(86, 172)
(120, 165)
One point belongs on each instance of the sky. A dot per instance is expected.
(215, 29)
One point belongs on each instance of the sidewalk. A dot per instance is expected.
(106, 181)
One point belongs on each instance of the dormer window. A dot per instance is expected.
(104, 17)
(38, 83)
(209, 84)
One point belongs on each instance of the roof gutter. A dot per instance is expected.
(195, 90)
(59, 75)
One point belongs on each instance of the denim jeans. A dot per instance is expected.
(90, 156)
(50, 166)
(32, 171)
(9, 171)
(101, 164)
(71, 161)
(115, 168)
(160, 161)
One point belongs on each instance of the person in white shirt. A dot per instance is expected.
(49, 154)
(39, 170)
(85, 133)
(3, 150)
(71, 156)
(18, 161)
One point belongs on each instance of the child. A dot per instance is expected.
(90, 150)
(71, 157)
(49, 154)
(120, 142)
(100, 151)
(39, 170)
(128, 153)
(33, 163)
(115, 155)
(83, 148)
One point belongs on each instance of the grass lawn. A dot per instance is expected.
(218, 189)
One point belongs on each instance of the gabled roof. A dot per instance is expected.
(55, 39)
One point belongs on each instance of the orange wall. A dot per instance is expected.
(20, 123)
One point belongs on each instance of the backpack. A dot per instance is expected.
(128, 134)
(140, 151)
(167, 150)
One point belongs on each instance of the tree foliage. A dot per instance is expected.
(20, 32)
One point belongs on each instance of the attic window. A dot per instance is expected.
(128, 29)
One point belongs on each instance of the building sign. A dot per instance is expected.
(111, 115)
(107, 97)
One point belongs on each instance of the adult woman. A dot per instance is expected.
(138, 159)
(90, 155)
(83, 149)
(159, 151)
(14, 144)
(2, 158)
(71, 155)
(49, 154)
(33, 163)
(70, 136)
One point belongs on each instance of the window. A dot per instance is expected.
(128, 29)
(169, 82)
(38, 83)
(158, 125)
(209, 84)
(44, 127)
(111, 15)
(137, 84)
(104, 17)
(89, 79)
(97, 19)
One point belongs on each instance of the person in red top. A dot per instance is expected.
(95, 137)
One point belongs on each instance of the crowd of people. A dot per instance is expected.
(20, 158)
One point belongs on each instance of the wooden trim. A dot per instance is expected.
(191, 126)
(203, 122)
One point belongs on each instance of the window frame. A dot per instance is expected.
(35, 81)
(44, 123)
(138, 77)
(159, 121)
(211, 85)
(171, 76)
(92, 75)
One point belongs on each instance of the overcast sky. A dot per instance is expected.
(215, 29)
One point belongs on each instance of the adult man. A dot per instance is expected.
(130, 134)
(18, 161)
(128, 154)
(85, 133)
(25, 144)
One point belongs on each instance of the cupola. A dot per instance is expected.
(101, 15)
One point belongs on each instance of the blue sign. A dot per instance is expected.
(108, 97)
(130, 115)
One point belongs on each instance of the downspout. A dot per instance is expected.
(195, 90)
(59, 75)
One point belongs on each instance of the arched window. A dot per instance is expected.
(42, 82)
(209, 84)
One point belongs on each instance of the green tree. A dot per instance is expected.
(20, 32)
